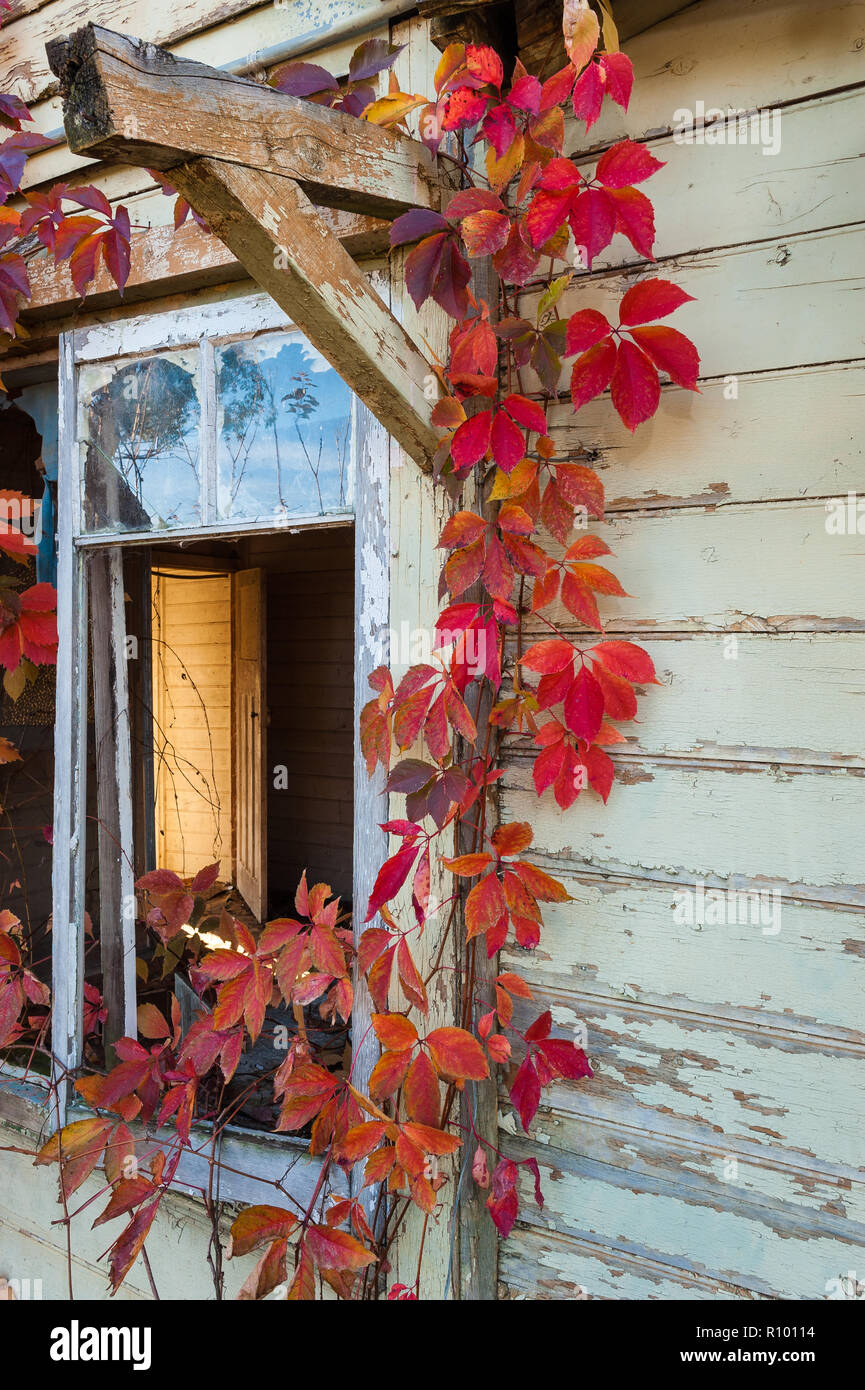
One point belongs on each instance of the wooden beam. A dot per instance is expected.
(165, 260)
(138, 103)
(273, 229)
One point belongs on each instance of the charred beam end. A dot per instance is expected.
(139, 104)
(86, 113)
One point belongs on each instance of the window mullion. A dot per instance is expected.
(70, 749)
(208, 433)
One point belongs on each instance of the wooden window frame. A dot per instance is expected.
(85, 559)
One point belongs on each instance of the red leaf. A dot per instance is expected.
(651, 299)
(484, 63)
(585, 328)
(540, 1028)
(625, 164)
(584, 706)
(469, 201)
(204, 879)
(503, 1202)
(512, 839)
(127, 1247)
(485, 232)
(635, 217)
(557, 88)
(414, 224)
(516, 262)
(581, 487)
(549, 655)
(588, 95)
(391, 877)
(593, 221)
(526, 1092)
(619, 72)
(628, 660)
(472, 440)
(507, 443)
(526, 413)
(410, 977)
(463, 107)
(672, 352)
(592, 372)
(600, 769)
(635, 387)
(421, 1092)
(542, 885)
(565, 1058)
(485, 907)
(620, 702)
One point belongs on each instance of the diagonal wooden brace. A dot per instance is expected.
(273, 229)
(263, 157)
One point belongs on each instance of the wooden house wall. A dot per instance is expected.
(718, 1151)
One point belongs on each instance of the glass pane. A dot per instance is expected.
(140, 426)
(284, 430)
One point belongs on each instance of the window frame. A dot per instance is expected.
(372, 455)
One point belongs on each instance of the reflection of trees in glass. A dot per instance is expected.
(148, 411)
(248, 404)
(300, 404)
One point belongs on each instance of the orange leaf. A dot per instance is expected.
(256, 1225)
(456, 1055)
(337, 1249)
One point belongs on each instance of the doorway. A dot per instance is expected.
(252, 663)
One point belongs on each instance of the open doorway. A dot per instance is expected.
(251, 676)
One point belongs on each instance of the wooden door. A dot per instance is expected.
(192, 718)
(250, 739)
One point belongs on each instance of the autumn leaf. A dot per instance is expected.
(456, 1055)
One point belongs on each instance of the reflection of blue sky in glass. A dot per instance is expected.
(284, 430)
(140, 443)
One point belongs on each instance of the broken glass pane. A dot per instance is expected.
(139, 426)
(284, 430)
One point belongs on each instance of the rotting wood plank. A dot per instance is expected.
(799, 982)
(794, 831)
(138, 103)
(165, 260)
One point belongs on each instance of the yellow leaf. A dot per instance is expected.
(14, 682)
(501, 171)
(581, 30)
(611, 33)
(387, 110)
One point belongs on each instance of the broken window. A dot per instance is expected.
(217, 427)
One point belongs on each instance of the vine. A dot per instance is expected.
(521, 661)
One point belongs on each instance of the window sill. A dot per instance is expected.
(252, 1162)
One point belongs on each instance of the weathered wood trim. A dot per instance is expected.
(70, 750)
(165, 260)
(114, 794)
(272, 227)
(372, 448)
(479, 1242)
(136, 102)
(244, 316)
